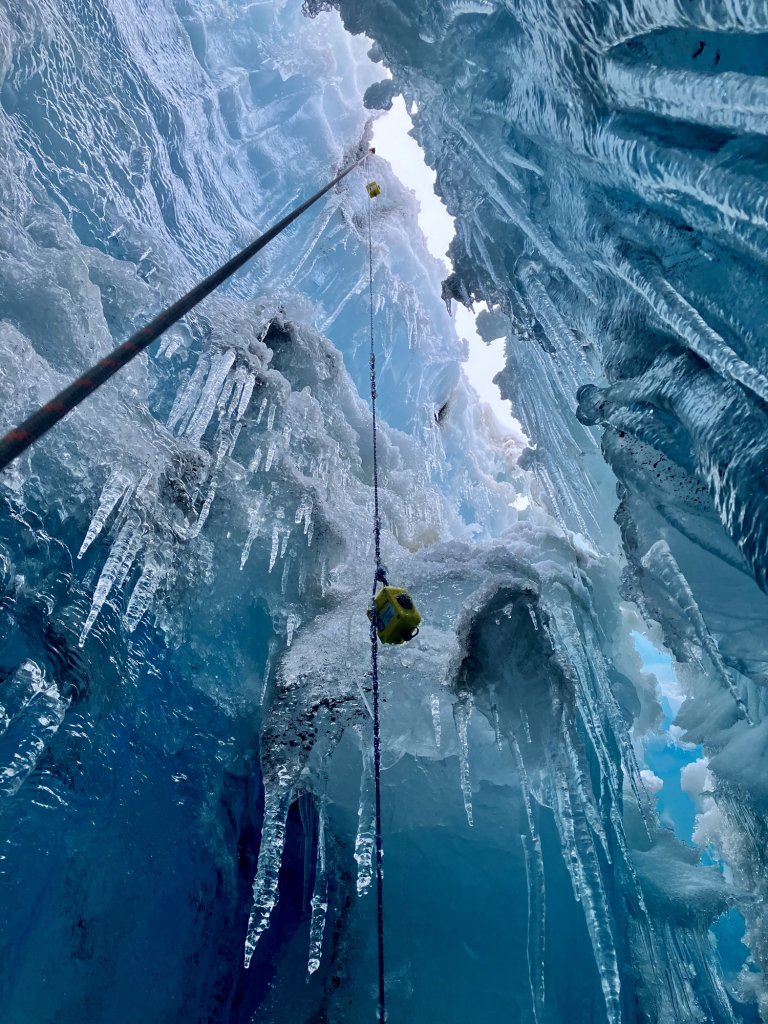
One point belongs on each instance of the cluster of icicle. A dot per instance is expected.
(147, 526)
(277, 802)
(144, 535)
(592, 836)
(585, 840)
(584, 732)
(278, 798)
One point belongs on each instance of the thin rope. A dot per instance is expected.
(378, 576)
(32, 429)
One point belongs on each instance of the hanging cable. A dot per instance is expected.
(379, 577)
(32, 429)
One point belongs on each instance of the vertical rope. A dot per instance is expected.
(378, 575)
(372, 366)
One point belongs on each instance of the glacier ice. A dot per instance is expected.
(186, 788)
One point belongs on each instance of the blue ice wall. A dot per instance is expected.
(161, 548)
(184, 738)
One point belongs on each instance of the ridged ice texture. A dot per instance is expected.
(171, 691)
(606, 164)
(647, 150)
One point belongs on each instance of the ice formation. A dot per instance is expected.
(186, 788)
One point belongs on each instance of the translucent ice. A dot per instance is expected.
(170, 696)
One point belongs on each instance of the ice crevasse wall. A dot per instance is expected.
(184, 737)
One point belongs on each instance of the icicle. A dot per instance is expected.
(185, 398)
(271, 416)
(207, 503)
(229, 390)
(555, 328)
(291, 625)
(462, 711)
(583, 862)
(35, 721)
(127, 563)
(116, 568)
(268, 668)
(323, 221)
(146, 587)
(238, 379)
(142, 485)
(497, 726)
(544, 477)
(275, 546)
(437, 725)
(255, 462)
(277, 800)
(598, 916)
(228, 432)
(114, 489)
(660, 560)
(537, 904)
(304, 512)
(592, 700)
(254, 525)
(539, 237)
(262, 407)
(360, 284)
(221, 364)
(245, 395)
(270, 456)
(366, 816)
(284, 543)
(605, 698)
(586, 803)
(241, 396)
(306, 804)
(319, 901)
(561, 801)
